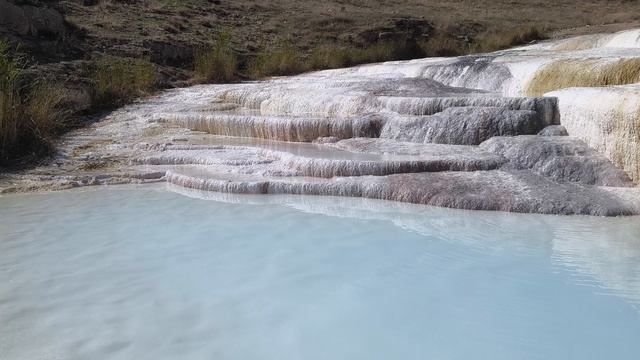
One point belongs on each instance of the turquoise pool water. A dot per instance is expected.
(155, 272)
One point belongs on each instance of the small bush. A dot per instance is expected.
(117, 80)
(565, 74)
(218, 63)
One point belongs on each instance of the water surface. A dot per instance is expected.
(150, 272)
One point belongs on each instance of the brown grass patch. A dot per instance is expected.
(583, 73)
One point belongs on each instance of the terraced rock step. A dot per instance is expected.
(238, 159)
(479, 190)
(561, 159)
(283, 128)
(464, 125)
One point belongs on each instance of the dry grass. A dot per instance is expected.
(29, 118)
(288, 60)
(566, 74)
(335, 56)
(9, 100)
(329, 57)
(444, 45)
(44, 114)
(382, 51)
(332, 57)
(218, 63)
(117, 80)
(499, 40)
(285, 60)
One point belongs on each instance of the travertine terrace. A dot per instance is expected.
(453, 132)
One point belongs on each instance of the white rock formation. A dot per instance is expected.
(454, 132)
(607, 119)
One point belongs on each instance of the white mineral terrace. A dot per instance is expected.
(453, 132)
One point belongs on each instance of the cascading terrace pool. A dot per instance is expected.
(163, 272)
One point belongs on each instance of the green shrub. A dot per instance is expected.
(118, 80)
(217, 63)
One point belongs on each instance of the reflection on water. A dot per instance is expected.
(607, 250)
(143, 273)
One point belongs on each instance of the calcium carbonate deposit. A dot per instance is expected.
(468, 132)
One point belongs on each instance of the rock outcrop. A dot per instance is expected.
(39, 29)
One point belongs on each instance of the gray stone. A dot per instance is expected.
(554, 130)
(562, 159)
(463, 125)
(31, 20)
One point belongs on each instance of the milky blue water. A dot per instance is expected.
(155, 272)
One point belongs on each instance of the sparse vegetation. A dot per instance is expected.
(444, 44)
(583, 73)
(117, 80)
(30, 117)
(217, 63)
(331, 57)
(289, 60)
